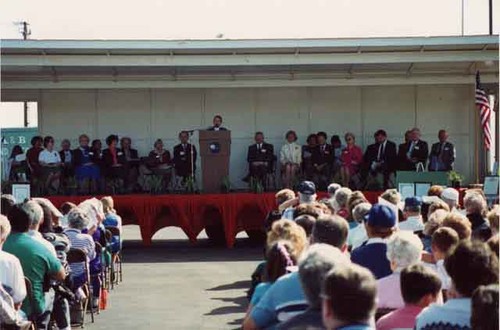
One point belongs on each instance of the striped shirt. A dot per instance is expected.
(83, 242)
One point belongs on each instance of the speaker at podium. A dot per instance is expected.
(215, 151)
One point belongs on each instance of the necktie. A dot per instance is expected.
(379, 155)
(410, 150)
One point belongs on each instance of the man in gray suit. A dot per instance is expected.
(442, 154)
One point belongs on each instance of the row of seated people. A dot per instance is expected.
(38, 243)
(90, 164)
(343, 263)
(317, 161)
(321, 162)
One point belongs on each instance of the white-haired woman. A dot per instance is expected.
(77, 222)
(476, 208)
(339, 202)
(403, 249)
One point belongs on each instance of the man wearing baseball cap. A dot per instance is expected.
(414, 221)
(307, 195)
(380, 224)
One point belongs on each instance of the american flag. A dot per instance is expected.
(483, 103)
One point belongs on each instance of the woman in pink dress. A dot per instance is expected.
(351, 159)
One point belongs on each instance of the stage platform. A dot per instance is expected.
(234, 212)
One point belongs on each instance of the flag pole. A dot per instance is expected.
(476, 137)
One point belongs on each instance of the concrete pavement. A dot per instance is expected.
(177, 285)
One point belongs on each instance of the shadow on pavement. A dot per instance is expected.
(232, 286)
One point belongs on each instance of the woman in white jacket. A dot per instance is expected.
(290, 159)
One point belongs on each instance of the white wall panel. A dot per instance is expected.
(148, 114)
(336, 111)
(126, 113)
(67, 114)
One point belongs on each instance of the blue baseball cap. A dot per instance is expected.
(413, 201)
(381, 216)
(307, 188)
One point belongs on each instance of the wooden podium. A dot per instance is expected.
(215, 150)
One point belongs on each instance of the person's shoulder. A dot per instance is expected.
(8, 258)
(428, 315)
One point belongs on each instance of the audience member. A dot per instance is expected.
(11, 276)
(357, 197)
(380, 159)
(493, 217)
(476, 207)
(493, 243)
(450, 196)
(484, 313)
(444, 241)
(349, 298)
(380, 224)
(403, 249)
(339, 203)
(435, 190)
(78, 221)
(442, 154)
(332, 189)
(352, 157)
(470, 265)
(420, 287)
(36, 216)
(280, 257)
(434, 221)
(307, 222)
(313, 268)
(290, 159)
(412, 214)
(357, 235)
(285, 298)
(37, 263)
(460, 224)
(8, 201)
(306, 195)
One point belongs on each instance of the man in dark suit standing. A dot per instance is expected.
(217, 124)
(381, 159)
(260, 158)
(442, 154)
(322, 159)
(414, 152)
(182, 157)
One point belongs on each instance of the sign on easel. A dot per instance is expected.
(21, 192)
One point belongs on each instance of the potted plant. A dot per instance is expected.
(455, 178)
(225, 186)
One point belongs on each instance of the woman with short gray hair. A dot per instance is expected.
(403, 249)
(357, 235)
(475, 206)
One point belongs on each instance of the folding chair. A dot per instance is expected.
(31, 298)
(76, 256)
(116, 258)
(99, 250)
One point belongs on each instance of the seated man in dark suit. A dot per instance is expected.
(414, 152)
(381, 159)
(442, 154)
(322, 160)
(182, 157)
(132, 159)
(260, 159)
(217, 124)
